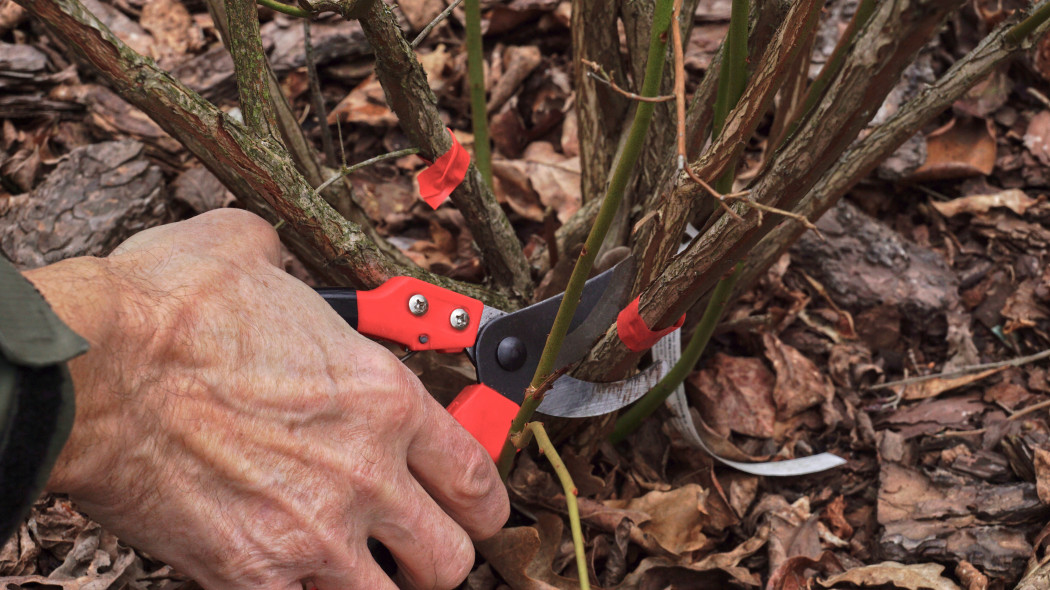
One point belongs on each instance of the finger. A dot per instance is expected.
(361, 573)
(457, 471)
(431, 550)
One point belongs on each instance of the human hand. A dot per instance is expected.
(230, 423)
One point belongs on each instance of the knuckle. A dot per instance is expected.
(479, 493)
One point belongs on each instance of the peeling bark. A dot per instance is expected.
(893, 36)
(866, 154)
(409, 95)
(258, 171)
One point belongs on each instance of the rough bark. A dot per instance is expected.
(257, 170)
(894, 34)
(409, 95)
(249, 59)
(338, 194)
(599, 109)
(98, 196)
(866, 154)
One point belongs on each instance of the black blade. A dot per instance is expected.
(508, 348)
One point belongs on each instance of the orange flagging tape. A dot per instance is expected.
(635, 334)
(438, 180)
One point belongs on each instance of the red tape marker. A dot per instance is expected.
(439, 179)
(635, 334)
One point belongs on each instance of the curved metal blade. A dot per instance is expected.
(579, 341)
(572, 398)
(527, 330)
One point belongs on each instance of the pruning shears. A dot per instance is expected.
(504, 347)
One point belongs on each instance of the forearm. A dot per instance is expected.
(36, 392)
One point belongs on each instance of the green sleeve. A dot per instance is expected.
(36, 393)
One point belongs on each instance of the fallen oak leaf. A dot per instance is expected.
(959, 149)
(675, 519)
(922, 576)
(660, 572)
(523, 556)
(799, 383)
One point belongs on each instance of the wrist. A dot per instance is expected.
(86, 295)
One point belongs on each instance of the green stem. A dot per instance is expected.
(622, 170)
(476, 74)
(547, 448)
(632, 418)
(731, 84)
(1029, 24)
(285, 8)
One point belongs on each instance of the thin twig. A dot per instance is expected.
(742, 197)
(315, 95)
(679, 82)
(547, 449)
(348, 170)
(1015, 416)
(711, 191)
(476, 79)
(285, 8)
(537, 393)
(1017, 362)
(437, 20)
(599, 74)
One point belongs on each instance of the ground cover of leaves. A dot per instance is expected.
(937, 262)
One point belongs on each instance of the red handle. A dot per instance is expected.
(485, 414)
(419, 315)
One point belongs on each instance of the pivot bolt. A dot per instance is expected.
(417, 304)
(459, 319)
(511, 353)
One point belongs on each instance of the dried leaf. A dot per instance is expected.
(1037, 137)
(924, 576)
(736, 394)
(1023, 308)
(676, 517)
(366, 104)
(987, 96)
(542, 176)
(1042, 474)
(799, 383)
(1013, 199)
(935, 387)
(523, 555)
(792, 573)
(173, 28)
(834, 515)
(555, 178)
(661, 572)
(962, 148)
(420, 12)
(518, 63)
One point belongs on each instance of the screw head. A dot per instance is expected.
(459, 319)
(418, 305)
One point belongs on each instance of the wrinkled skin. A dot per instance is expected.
(230, 423)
